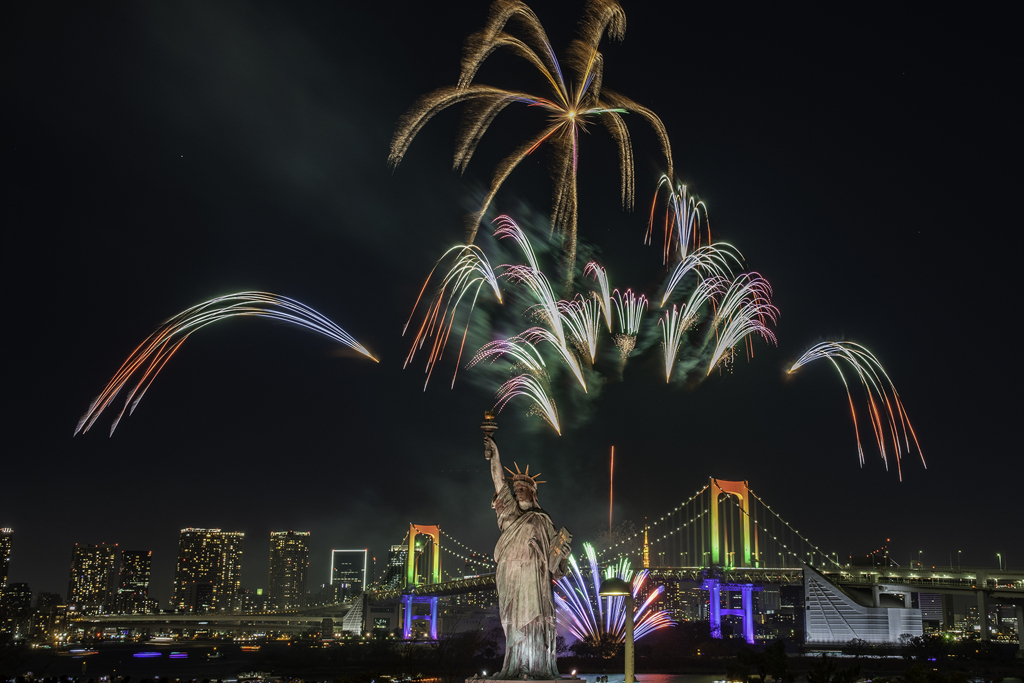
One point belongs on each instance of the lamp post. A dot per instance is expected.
(616, 587)
(1000, 556)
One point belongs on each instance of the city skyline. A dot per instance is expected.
(848, 160)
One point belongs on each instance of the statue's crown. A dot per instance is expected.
(524, 477)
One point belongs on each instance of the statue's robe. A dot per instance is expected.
(525, 600)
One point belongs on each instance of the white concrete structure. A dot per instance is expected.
(835, 616)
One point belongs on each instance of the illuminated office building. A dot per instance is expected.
(395, 574)
(6, 535)
(289, 567)
(133, 590)
(91, 586)
(209, 573)
(348, 572)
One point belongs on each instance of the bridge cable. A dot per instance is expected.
(658, 539)
(651, 526)
(485, 556)
(794, 531)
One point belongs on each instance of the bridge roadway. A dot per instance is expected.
(1010, 583)
(998, 584)
(291, 621)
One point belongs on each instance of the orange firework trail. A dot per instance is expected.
(149, 358)
(470, 272)
(880, 391)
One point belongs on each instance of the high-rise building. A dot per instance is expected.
(395, 573)
(209, 573)
(15, 607)
(133, 590)
(93, 577)
(348, 572)
(289, 567)
(47, 602)
(6, 535)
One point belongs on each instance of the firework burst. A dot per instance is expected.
(745, 309)
(535, 390)
(571, 106)
(468, 274)
(682, 219)
(583, 318)
(524, 355)
(630, 310)
(150, 357)
(880, 391)
(596, 271)
(678, 321)
(712, 259)
(593, 619)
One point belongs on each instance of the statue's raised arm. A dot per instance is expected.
(491, 453)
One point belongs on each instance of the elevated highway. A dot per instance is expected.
(293, 621)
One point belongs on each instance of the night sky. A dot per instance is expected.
(156, 155)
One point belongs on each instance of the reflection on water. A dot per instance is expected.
(654, 678)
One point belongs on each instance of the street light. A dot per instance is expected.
(1000, 556)
(615, 587)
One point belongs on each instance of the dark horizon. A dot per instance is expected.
(158, 156)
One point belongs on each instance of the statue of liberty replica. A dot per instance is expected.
(530, 554)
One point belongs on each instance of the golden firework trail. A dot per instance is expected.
(882, 397)
(150, 357)
(571, 106)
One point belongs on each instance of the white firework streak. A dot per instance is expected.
(159, 347)
(681, 221)
(509, 228)
(471, 268)
(535, 335)
(713, 259)
(539, 286)
(601, 275)
(745, 308)
(677, 321)
(589, 616)
(583, 318)
(876, 383)
(631, 311)
(529, 386)
(522, 351)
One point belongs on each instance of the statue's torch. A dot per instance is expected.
(488, 427)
